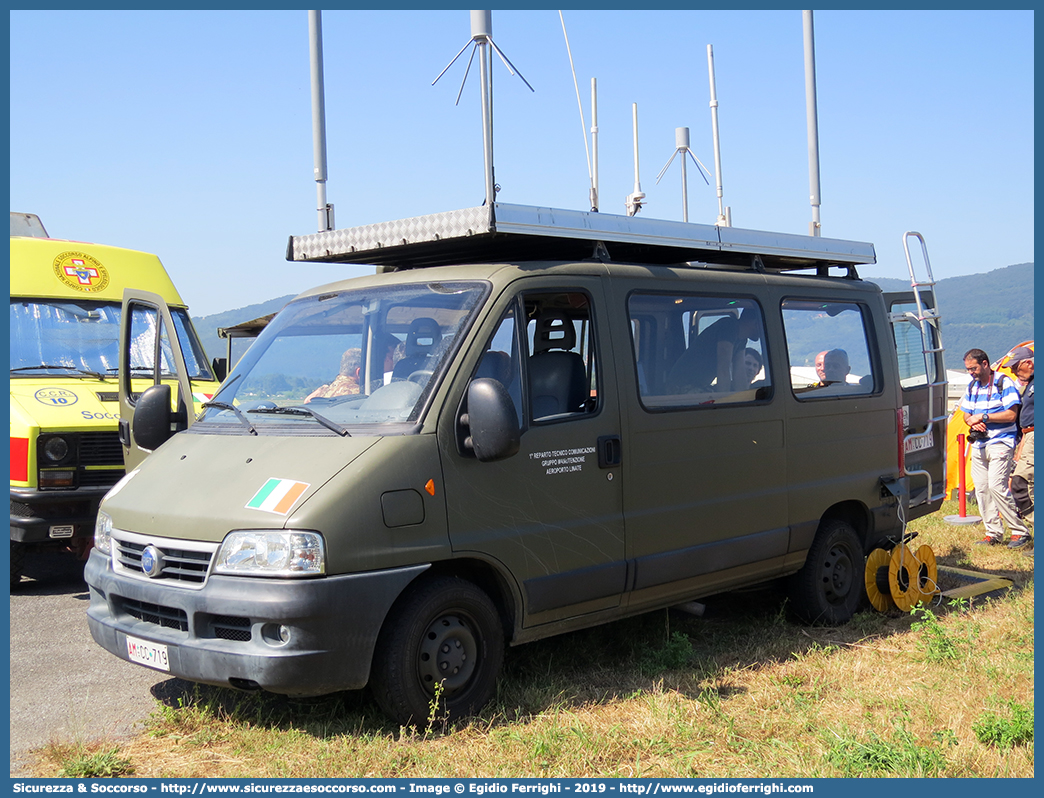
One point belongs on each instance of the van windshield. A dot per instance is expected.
(52, 337)
(355, 358)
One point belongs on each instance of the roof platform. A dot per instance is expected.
(504, 233)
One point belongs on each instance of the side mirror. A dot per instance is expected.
(220, 366)
(152, 417)
(492, 420)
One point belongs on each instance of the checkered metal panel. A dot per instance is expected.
(401, 232)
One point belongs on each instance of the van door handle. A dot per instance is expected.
(610, 451)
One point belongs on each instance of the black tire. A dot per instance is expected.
(17, 561)
(443, 629)
(830, 587)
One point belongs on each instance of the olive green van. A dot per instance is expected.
(527, 422)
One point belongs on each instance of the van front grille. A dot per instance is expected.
(228, 627)
(156, 614)
(177, 564)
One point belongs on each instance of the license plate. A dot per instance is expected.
(61, 531)
(919, 444)
(151, 655)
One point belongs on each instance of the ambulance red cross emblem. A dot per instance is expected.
(80, 271)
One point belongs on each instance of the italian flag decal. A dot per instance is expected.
(277, 496)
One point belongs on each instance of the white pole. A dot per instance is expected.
(315, 52)
(812, 115)
(723, 219)
(482, 33)
(681, 142)
(594, 144)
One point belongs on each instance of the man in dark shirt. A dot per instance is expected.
(1021, 362)
(714, 360)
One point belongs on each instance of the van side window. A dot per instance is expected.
(695, 351)
(827, 348)
(914, 368)
(561, 367)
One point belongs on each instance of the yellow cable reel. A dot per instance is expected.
(876, 578)
(903, 570)
(927, 574)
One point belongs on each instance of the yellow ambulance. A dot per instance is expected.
(66, 304)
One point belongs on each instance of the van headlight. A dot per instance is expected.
(267, 552)
(103, 533)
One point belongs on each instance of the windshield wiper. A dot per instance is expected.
(234, 409)
(304, 411)
(64, 368)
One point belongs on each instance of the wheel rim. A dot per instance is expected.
(837, 572)
(448, 654)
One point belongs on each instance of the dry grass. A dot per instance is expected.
(742, 692)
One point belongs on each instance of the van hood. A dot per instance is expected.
(67, 403)
(201, 487)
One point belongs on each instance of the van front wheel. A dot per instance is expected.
(438, 654)
(830, 586)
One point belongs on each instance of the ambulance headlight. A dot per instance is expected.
(267, 552)
(103, 533)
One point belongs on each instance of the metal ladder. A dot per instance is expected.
(928, 321)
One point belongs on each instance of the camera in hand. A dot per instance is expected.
(977, 435)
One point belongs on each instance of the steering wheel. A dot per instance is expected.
(421, 376)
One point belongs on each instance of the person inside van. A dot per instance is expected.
(820, 370)
(835, 367)
(347, 381)
(714, 361)
(752, 363)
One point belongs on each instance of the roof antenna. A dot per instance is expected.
(482, 39)
(315, 51)
(681, 141)
(812, 116)
(634, 199)
(724, 213)
(592, 174)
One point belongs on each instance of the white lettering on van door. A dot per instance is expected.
(562, 461)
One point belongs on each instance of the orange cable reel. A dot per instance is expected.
(903, 569)
(876, 578)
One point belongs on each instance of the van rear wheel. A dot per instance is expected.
(438, 654)
(830, 586)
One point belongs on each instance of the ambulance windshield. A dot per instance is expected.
(53, 337)
(353, 358)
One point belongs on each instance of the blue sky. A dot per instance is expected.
(188, 133)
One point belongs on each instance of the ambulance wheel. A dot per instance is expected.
(831, 585)
(438, 653)
(17, 561)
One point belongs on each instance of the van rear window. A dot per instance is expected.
(827, 349)
(698, 351)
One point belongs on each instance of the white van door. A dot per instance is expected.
(150, 350)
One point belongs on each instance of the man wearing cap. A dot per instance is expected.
(991, 405)
(1021, 362)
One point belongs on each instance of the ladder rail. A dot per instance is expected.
(927, 320)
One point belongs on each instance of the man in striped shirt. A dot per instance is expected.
(990, 408)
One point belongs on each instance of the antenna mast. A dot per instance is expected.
(813, 120)
(681, 142)
(634, 199)
(315, 52)
(724, 213)
(482, 39)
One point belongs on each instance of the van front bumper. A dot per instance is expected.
(227, 632)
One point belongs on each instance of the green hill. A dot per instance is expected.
(991, 311)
